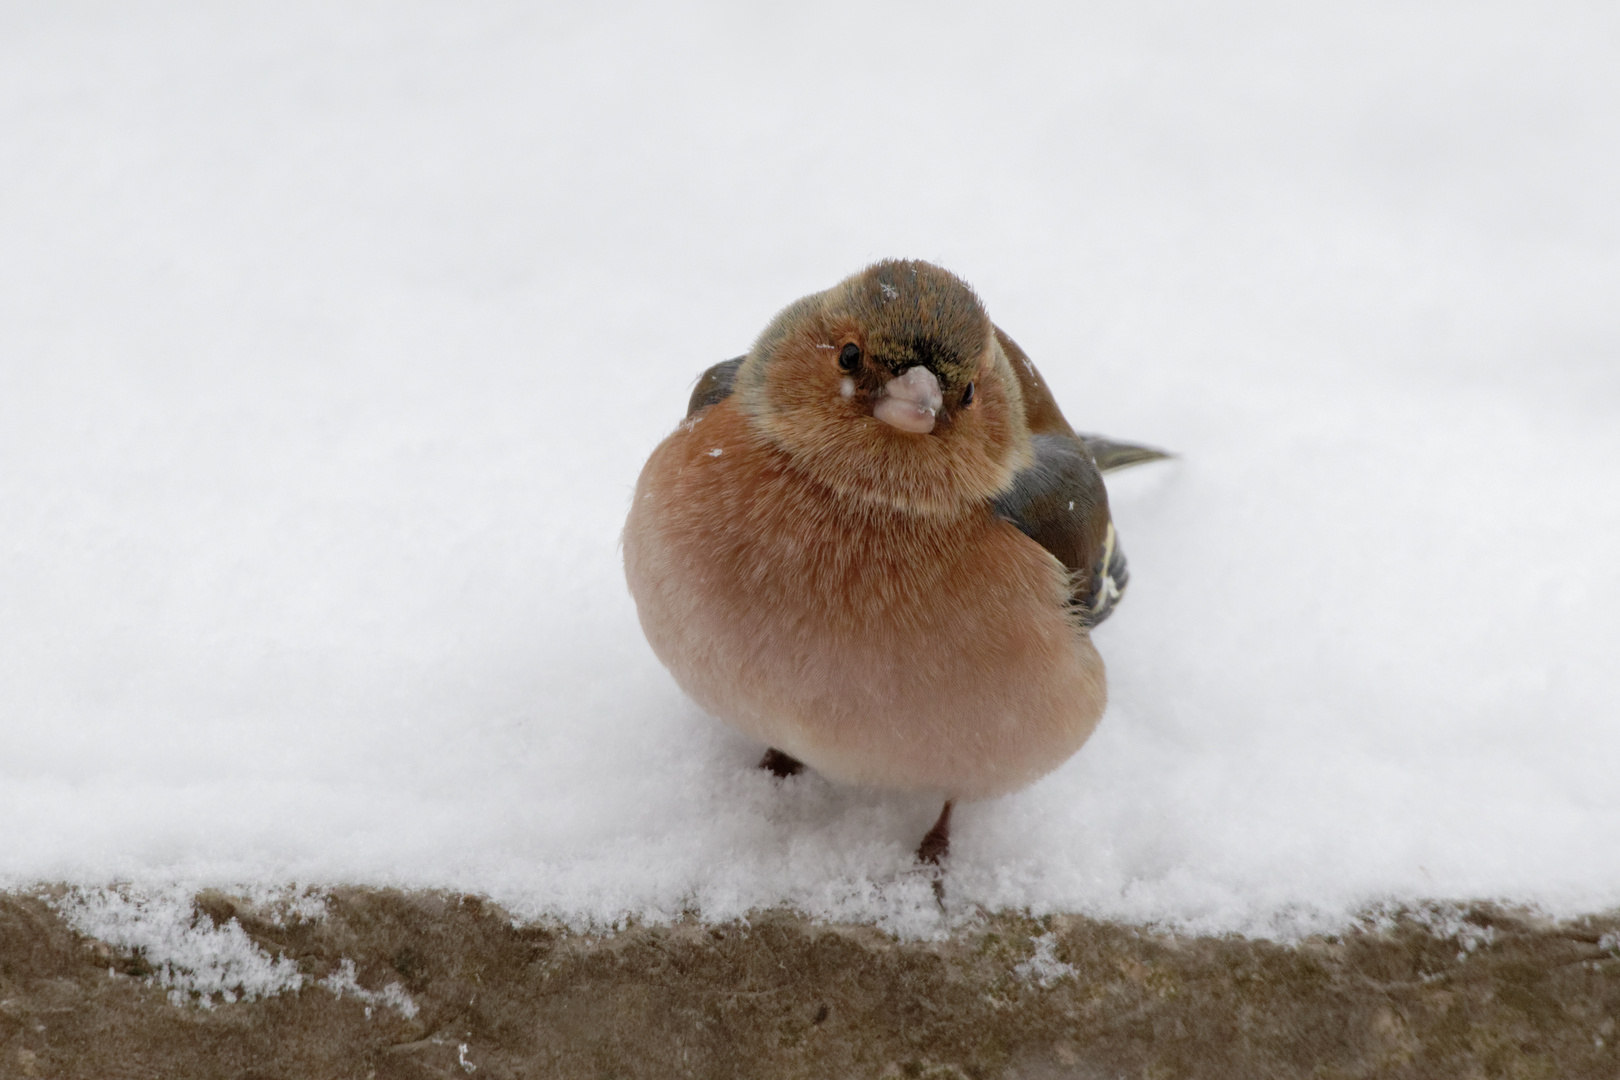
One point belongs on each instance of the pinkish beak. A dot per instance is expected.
(911, 401)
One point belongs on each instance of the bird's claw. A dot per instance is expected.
(780, 765)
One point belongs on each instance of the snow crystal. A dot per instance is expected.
(193, 958)
(332, 346)
(199, 960)
(1043, 967)
(344, 981)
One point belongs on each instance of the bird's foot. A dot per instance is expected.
(937, 844)
(780, 764)
(934, 849)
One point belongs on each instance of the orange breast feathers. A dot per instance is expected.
(923, 653)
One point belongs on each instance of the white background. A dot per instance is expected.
(332, 337)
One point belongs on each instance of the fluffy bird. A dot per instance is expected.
(875, 545)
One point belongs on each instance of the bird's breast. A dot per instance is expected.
(925, 653)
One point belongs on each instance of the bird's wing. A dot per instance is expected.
(714, 385)
(1060, 503)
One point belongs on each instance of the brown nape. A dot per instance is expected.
(781, 764)
(1040, 408)
(937, 844)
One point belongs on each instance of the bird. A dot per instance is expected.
(875, 545)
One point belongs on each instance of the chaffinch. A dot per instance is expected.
(875, 545)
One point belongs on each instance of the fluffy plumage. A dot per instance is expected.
(875, 545)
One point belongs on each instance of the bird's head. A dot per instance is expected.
(891, 389)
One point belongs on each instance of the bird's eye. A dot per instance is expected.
(849, 358)
(967, 395)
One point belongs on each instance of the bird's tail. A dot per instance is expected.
(1112, 456)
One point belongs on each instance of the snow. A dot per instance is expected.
(344, 981)
(1043, 967)
(191, 954)
(199, 960)
(332, 338)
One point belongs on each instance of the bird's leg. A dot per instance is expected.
(781, 764)
(937, 844)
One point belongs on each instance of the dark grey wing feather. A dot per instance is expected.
(1061, 504)
(1111, 455)
(714, 385)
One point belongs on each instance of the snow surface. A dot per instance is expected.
(332, 338)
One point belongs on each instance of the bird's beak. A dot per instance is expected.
(911, 401)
